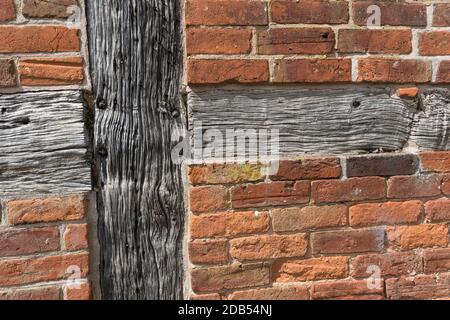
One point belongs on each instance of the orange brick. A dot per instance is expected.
(204, 297)
(8, 11)
(79, 292)
(390, 213)
(235, 276)
(420, 236)
(48, 293)
(418, 287)
(309, 11)
(436, 260)
(312, 70)
(269, 247)
(443, 73)
(51, 71)
(438, 210)
(295, 41)
(274, 293)
(52, 268)
(208, 199)
(208, 251)
(320, 168)
(390, 264)
(346, 289)
(435, 43)
(410, 92)
(308, 218)
(348, 241)
(218, 41)
(76, 237)
(225, 71)
(414, 186)
(437, 161)
(353, 189)
(269, 194)
(26, 39)
(225, 12)
(441, 15)
(49, 209)
(375, 41)
(229, 224)
(394, 70)
(311, 269)
(16, 242)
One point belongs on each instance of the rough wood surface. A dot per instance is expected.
(135, 54)
(43, 144)
(326, 120)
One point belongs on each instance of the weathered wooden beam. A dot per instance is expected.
(135, 53)
(43, 143)
(327, 120)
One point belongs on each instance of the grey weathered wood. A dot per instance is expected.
(135, 54)
(341, 120)
(43, 143)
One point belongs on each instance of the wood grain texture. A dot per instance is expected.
(135, 54)
(43, 145)
(325, 121)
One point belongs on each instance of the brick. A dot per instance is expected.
(49, 293)
(225, 173)
(392, 13)
(418, 287)
(311, 269)
(229, 224)
(392, 165)
(375, 41)
(443, 72)
(79, 292)
(8, 11)
(218, 41)
(390, 264)
(8, 76)
(420, 236)
(274, 293)
(295, 41)
(435, 43)
(221, 71)
(235, 276)
(16, 242)
(308, 218)
(309, 12)
(438, 210)
(410, 92)
(414, 186)
(65, 208)
(27, 39)
(441, 15)
(353, 189)
(348, 241)
(51, 71)
(270, 194)
(269, 247)
(53, 9)
(208, 251)
(390, 213)
(204, 297)
(225, 12)
(322, 168)
(76, 237)
(436, 161)
(346, 289)
(436, 260)
(52, 268)
(208, 199)
(445, 185)
(394, 70)
(312, 70)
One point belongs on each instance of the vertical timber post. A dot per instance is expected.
(136, 64)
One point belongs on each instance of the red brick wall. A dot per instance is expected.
(43, 239)
(312, 231)
(38, 47)
(322, 227)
